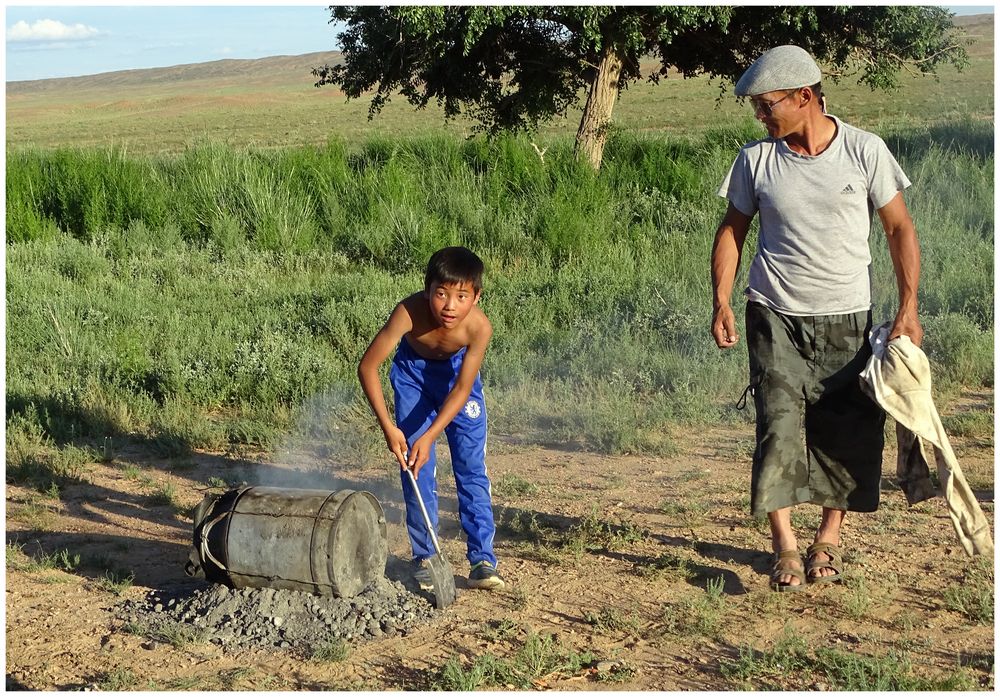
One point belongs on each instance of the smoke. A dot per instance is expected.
(332, 447)
(335, 444)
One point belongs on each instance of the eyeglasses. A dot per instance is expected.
(767, 108)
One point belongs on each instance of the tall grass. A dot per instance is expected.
(210, 297)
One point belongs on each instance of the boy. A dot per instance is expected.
(441, 336)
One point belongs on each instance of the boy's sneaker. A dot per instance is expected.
(485, 577)
(422, 575)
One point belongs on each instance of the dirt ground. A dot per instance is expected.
(612, 556)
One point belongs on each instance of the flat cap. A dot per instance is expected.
(781, 68)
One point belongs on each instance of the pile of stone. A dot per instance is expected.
(265, 618)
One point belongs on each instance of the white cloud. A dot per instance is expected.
(224, 51)
(49, 30)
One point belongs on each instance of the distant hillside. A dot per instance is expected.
(273, 103)
(287, 69)
(290, 69)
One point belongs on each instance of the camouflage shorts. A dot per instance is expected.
(804, 372)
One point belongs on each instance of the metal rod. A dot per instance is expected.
(423, 510)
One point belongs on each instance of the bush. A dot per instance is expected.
(203, 298)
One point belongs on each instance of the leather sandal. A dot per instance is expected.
(778, 570)
(835, 562)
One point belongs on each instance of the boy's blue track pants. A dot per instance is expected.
(421, 385)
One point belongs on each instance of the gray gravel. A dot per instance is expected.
(264, 618)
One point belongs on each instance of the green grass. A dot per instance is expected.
(220, 298)
(512, 486)
(612, 620)
(281, 107)
(970, 424)
(700, 615)
(36, 461)
(539, 656)
(164, 495)
(499, 630)
(176, 636)
(18, 560)
(973, 597)
(331, 652)
(792, 664)
(35, 513)
(594, 533)
(619, 672)
(117, 680)
(666, 565)
(115, 582)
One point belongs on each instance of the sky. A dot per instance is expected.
(45, 41)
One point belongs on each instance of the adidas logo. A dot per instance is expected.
(847, 189)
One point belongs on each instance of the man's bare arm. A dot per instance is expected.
(905, 252)
(726, 252)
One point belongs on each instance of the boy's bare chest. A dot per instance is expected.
(435, 346)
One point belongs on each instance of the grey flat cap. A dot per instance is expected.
(782, 68)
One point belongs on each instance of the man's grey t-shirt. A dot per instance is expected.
(815, 215)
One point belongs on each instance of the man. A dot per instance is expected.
(815, 182)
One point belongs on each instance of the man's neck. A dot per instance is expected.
(814, 137)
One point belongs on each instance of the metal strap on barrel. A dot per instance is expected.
(203, 547)
(312, 538)
(207, 528)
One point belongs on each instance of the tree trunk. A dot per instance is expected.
(593, 132)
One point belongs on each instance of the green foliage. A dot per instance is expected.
(540, 655)
(515, 67)
(700, 615)
(155, 326)
(115, 582)
(667, 565)
(609, 619)
(620, 671)
(858, 598)
(959, 350)
(117, 680)
(971, 424)
(61, 559)
(331, 652)
(593, 533)
(974, 596)
(164, 495)
(790, 663)
(511, 485)
(499, 630)
(34, 460)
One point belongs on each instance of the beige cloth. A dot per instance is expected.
(898, 377)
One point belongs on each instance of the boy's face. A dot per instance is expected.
(451, 302)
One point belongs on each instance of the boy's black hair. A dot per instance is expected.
(454, 265)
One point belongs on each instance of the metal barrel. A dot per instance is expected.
(324, 542)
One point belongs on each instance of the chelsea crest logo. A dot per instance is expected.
(473, 409)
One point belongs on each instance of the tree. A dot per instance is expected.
(515, 67)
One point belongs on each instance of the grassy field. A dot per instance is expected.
(197, 257)
(213, 297)
(272, 102)
(146, 294)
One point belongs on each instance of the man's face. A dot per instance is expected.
(451, 303)
(778, 111)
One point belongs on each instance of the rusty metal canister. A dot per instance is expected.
(324, 542)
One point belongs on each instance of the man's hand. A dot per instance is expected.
(420, 453)
(396, 441)
(907, 324)
(724, 327)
